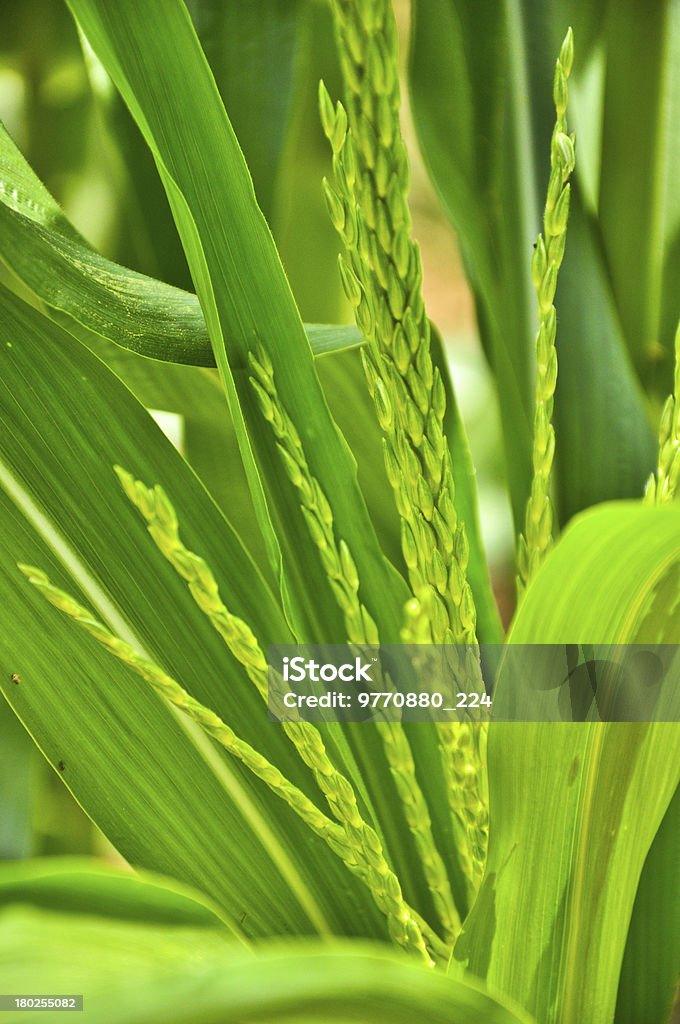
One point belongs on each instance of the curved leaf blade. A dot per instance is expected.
(575, 807)
(649, 974)
(196, 976)
(150, 318)
(75, 885)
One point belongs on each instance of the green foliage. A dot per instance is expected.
(324, 491)
(144, 949)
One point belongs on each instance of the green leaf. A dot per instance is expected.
(140, 228)
(575, 807)
(180, 807)
(649, 974)
(304, 232)
(190, 975)
(602, 598)
(671, 198)
(605, 444)
(153, 56)
(79, 886)
(636, 175)
(325, 339)
(253, 50)
(98, 297)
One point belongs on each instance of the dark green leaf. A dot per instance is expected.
(605, 444)
(253, 51)
(96, 296)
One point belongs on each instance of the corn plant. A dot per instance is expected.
(323, 492)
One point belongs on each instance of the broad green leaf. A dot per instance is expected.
(180, 808)
(303, 231)
(99, 297)
(671, 198)
(670, 307)
(210, 447)
(208, 441)
(324, 339)
(135, 216)
(174, 975)
(246, 301)
(254, 50)
(575, 807)
(75, 885)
